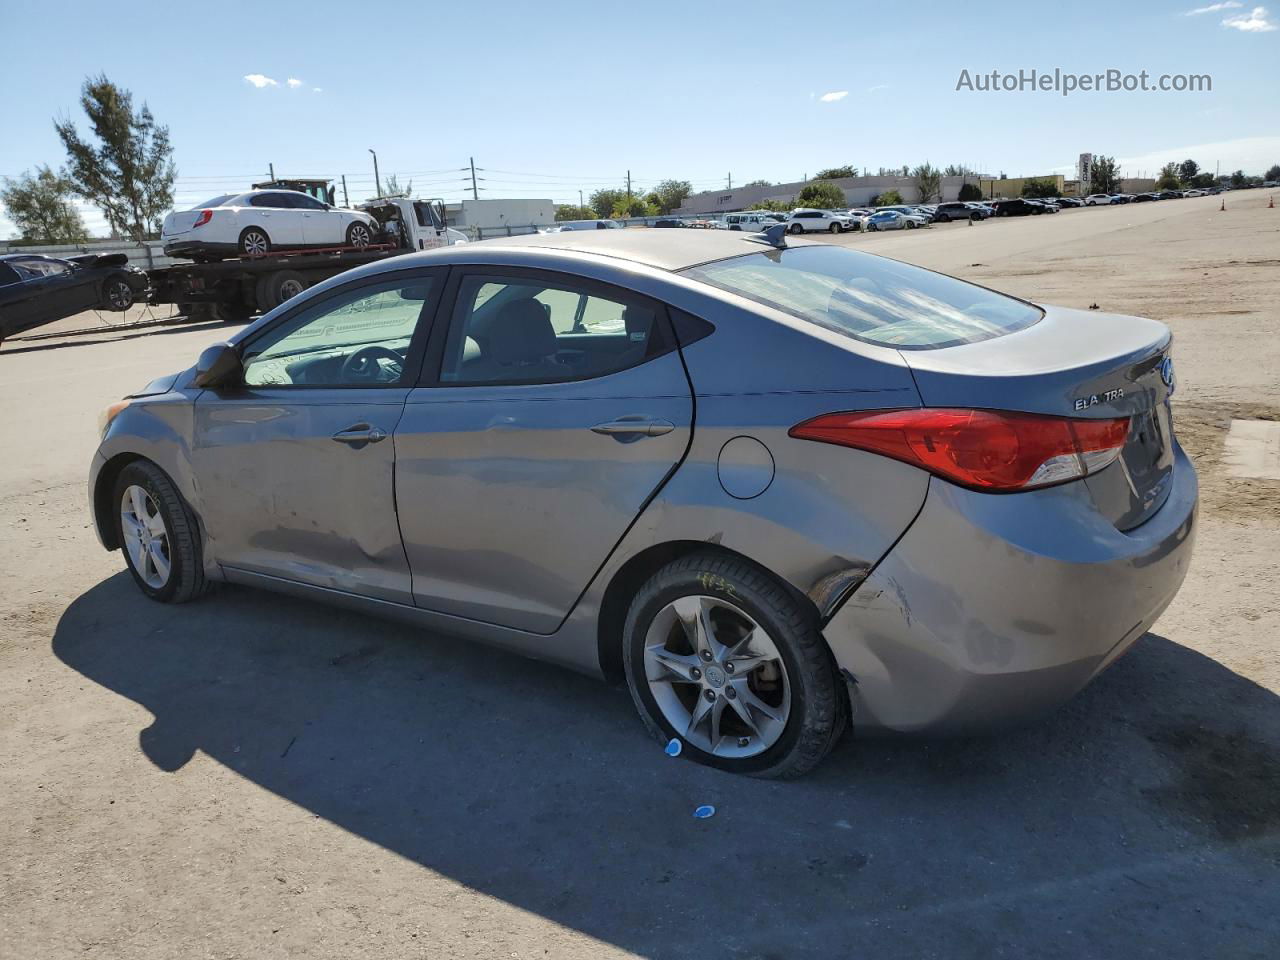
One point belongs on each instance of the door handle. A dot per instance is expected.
(360, 434)
(634, 427)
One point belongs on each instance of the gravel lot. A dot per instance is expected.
(257, 777)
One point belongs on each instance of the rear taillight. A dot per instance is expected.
(205, 217)
(983, 449)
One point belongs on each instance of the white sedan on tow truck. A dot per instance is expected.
(263, 221)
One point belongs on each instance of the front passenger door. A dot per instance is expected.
(295, 467)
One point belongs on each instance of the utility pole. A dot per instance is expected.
(271, 168)
(377, 183)
(729, 182)
(628, 184)
(475, 191)
(580, 203)
(346, 202)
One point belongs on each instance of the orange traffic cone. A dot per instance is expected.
(1271, 202)
(1224, 205)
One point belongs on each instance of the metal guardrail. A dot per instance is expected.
(146, 255)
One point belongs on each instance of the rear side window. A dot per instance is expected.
(870, 298)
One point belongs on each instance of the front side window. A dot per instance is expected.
(870, 298)
(359, 337)
(519, 330)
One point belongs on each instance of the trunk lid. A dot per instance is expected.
(1074, 363)
(181, 222)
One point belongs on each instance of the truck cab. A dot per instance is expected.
(412, 224)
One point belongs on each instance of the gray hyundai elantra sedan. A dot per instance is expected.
(778, 487)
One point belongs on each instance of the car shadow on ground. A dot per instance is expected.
(1143, 814)
(108, 334)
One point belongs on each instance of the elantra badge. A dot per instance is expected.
(1166, 373)
(1107, 396)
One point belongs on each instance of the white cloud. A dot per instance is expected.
(833, 96)
(259, 80)
(294, 82)
(317, 90)
(1253, 22)
(878, 86)
(1214, 8)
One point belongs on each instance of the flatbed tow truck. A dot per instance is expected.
(234, 290)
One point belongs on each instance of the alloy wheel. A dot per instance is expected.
(717, 677)
(254, 243)
(145, 536)
(360, 236)
(120, 295)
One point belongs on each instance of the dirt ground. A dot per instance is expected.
(257, 777)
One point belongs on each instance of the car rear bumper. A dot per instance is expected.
(184, 248)
(992, 609)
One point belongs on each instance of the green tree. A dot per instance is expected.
(821, 194)
(1188, 170)
(758, 183)
(890, 198)
(775, 206)
(835, 173)
(571, 211)
(1168, 179)
(633, 206)
(1273, 172)
(41, 208)
(1238, 179)
(928, 180)
(671, 193)
(603, 201)
(958, 170)
(970, 191)
(391, 187)
(126, 168)
(1105, 176)
(1203, 180)
(1040, 187)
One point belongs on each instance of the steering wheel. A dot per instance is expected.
(363, 367)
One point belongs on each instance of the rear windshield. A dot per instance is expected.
(870, 298)
(216, 201)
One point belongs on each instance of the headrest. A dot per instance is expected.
(521, 333)
(637, 322)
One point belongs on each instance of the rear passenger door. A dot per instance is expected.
(550, 410)
(275, 213)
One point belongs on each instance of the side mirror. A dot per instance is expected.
(218, 366)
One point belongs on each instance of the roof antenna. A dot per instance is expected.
(774, 236)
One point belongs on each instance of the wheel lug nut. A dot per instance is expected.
(744, 741)
(706, 655)
(695, 673)
(710, 695)
(728, 667)
(731, 693)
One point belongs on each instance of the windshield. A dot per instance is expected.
(870, 298)
(216, 201)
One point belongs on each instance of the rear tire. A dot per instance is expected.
(254, 242)
(278, 286)
(788, 685)
(795, 228)
(158, 535)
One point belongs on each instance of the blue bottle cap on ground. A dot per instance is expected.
(705, 811)
(674, 747)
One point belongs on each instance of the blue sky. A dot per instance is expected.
(555, 97)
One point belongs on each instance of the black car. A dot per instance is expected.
(1145, 197)
(1018, 207)
(1170, 194)
(670, 222)
(1068, 202)
(1121, 198)
(958, 210)
(35, 289)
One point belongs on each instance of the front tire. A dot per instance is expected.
(157, 534)
(719, 655)
(117, 295)
(359, 235)
(835, 228)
